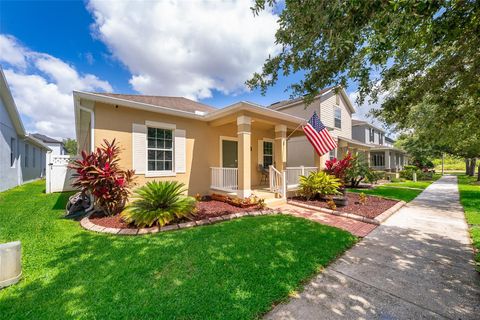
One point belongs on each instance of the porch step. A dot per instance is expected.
(273, 202)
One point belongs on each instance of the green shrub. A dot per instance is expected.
(407, 173)
(159, 203)
(359, 171)
(319, 183)
(374, 176)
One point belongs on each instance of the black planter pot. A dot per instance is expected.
(340, 201)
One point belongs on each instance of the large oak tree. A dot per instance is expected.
(424, 55)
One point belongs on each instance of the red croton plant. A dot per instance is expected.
(339, 168)
(99, 174)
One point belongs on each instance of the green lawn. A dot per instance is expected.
(470, 199)
(231, 270)
(406, 191)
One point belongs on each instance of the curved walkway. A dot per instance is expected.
(417, 265)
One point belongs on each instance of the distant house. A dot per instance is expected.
(57, 146)
(383, 155)
(22, 156)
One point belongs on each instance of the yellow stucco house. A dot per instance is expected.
(236, 149)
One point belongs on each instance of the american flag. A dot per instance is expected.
(319, 136)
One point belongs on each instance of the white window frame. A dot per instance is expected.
(160, 173)
(335, 117)
(272, 141)
(332, 154)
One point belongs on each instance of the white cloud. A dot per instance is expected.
(42, 87)
(12, 52)
(186, 48)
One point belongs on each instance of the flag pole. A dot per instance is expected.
(296, 129)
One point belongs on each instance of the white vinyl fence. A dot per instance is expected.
(58, 177)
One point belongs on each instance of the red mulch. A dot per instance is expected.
(373, 207)
(205, 209)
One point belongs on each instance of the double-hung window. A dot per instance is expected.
(267, 154)
(159, 150)
(332, 154)
(380, 138)
(372, 135)
(338, 118)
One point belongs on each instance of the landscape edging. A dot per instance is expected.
(376, 221)
(87, 224)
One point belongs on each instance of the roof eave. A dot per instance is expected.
(11, 106)
(135, 105)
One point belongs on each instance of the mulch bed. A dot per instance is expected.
(205, 209)
(373, 208)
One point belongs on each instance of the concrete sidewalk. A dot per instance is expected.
(417, 265)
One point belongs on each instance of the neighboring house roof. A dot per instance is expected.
(34, 141)
(287, 103)
(11, 106)
(356, 122)
(389, 140)
(213, 113)
(178, 103)
(45, 138)
(12, 110)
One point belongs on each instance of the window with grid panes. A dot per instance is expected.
(159, 149)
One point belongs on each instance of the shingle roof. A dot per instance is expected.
(45, 138)
(178, 103)
(282, 103)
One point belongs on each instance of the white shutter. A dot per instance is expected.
(139, 148)
(180, 151)
(260, 152)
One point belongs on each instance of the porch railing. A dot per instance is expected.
(224, 179)
(277, 181)
(293, 175)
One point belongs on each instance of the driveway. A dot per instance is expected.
(417, 265)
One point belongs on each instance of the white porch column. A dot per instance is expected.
(387, 160)
(244, 124)
(280, 149)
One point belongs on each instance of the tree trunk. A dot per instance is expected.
(473, 164)
(467, 166)
(478, 172)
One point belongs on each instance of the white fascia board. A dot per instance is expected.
(239, 106)
(136, 105)
(254, 108)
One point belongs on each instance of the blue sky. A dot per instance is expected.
(198, 51)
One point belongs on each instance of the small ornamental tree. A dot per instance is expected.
(339, 168)
(99, 174)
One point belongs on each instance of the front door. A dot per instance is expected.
(229, 154)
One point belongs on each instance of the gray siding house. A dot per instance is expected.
(22, 157)
(383, 155)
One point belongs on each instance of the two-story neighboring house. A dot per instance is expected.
(383, 155)
(335, 111)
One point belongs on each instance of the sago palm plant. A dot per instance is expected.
(159, 203)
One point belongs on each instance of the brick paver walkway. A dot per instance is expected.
(358, 228)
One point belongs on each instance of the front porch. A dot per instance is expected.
(277, 183)
(254, 161)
